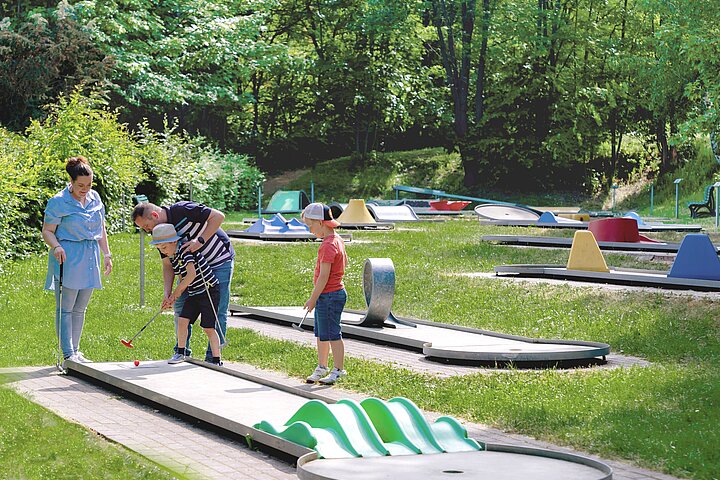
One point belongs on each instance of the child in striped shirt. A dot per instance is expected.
(202, 286)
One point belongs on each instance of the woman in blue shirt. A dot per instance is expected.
(74, 228)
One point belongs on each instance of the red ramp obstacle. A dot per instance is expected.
(454, 205)
(618, 230)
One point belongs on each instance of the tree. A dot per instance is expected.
(190, 61)
(43, 54)
(454, 22)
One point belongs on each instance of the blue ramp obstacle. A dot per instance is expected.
(278, 228)
(696, 258)
(696, 267)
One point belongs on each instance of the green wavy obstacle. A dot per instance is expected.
(371, 428)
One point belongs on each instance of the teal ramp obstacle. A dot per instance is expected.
(443, 194)
(371, 428)
(287, 201)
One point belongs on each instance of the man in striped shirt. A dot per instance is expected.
(196, 279)
(199, 226)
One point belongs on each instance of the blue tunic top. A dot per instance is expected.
(78, 231)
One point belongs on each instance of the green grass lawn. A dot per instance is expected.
(662, 417)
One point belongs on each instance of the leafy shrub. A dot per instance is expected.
(18, 191)
(164, 164)
(79, 125)
(177, 166)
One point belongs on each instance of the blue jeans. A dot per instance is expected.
(70, 318)
(328, 310)
(224, 273)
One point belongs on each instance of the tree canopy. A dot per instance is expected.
(531, 93)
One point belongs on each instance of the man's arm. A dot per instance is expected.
(212, 224)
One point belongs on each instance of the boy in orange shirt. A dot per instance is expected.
(328, 298)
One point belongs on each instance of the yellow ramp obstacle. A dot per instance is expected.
(585, 253)
(356, 213)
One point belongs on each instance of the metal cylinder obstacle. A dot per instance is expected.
(379, 289)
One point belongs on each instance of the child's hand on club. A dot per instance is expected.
(310, 305)
(167, 303)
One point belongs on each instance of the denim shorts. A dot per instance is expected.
(328, 310)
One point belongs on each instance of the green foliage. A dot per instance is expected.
(177, 52)
(178, 166)
(76, 125)
(79, 125)
(166, 165)
(19, 192)
(43, 55)
(533, 94)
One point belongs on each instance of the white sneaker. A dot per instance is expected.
(81, 358)
(177, 358)
(71, 358)
(319, 373)
(333, 377)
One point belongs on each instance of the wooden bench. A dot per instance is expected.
(708, 203)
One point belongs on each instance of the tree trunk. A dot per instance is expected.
(470, 162)
(662, 143)
(480, 76)
(458, 73)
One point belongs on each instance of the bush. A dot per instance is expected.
(176, 166)
(163, 165)
(79, 125)
(19, 192)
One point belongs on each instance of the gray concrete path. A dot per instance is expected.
(194, 452)
(190, 451)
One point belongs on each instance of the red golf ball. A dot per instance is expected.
(136, 362)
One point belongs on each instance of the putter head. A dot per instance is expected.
(60, 368)
(126, 343)
(299, 325)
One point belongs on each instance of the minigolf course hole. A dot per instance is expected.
(371, 428)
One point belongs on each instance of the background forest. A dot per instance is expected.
(532, 93)
(176, 96)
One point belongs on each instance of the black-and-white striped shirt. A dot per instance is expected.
(204, 274)
(188, 218)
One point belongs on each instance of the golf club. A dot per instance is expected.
(128, 343)
(58, 325)
(218, 328)
(299, 325)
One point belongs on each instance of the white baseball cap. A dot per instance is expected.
(318, 211)
(164, 233)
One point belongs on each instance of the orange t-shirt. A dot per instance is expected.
(332, 250)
